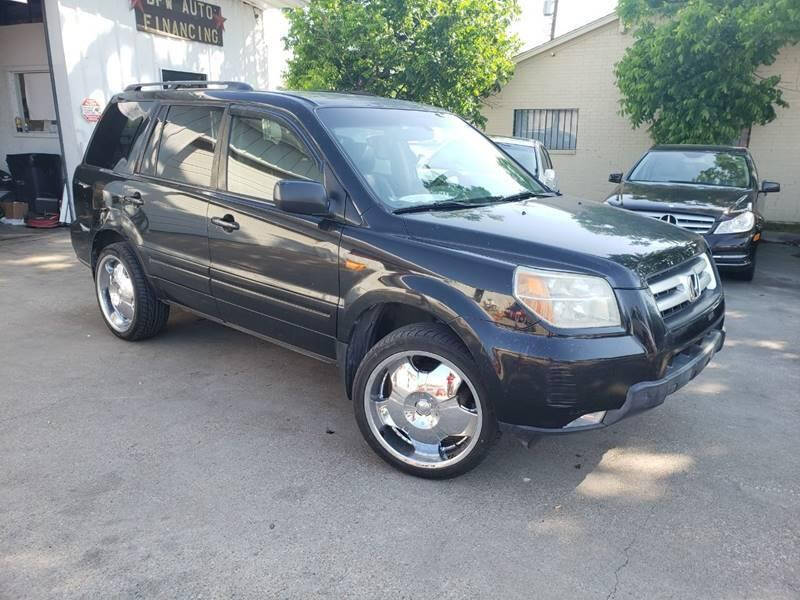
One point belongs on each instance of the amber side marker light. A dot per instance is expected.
(354, 265)
(757, 237)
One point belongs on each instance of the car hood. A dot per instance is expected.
(562, 233)
(703, 199)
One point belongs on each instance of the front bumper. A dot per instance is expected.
(645, 395)
(733, 250)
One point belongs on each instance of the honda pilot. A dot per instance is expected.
(457, 294)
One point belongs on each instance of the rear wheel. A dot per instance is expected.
(128, 304)
(420, 403)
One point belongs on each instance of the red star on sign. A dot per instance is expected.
(137, 4)
(219, 21)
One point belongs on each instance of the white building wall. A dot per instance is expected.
(102, 52)
(22, 48)
(579, 74)
(97, 51)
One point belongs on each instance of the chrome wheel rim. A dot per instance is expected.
(115, 293)
(423, 409)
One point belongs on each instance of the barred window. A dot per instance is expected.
(556, 128)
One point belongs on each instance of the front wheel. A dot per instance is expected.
(421, 405)
(748, 273)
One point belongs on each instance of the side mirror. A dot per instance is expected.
(770, 187)
(301, 197)
(549, 177)
(615, 178)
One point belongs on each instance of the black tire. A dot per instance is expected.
(150, 314)
(748, 273)
(440, 340)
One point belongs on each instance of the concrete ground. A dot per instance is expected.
(208, 464)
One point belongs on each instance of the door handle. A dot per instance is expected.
(227, 222)
(134, 198)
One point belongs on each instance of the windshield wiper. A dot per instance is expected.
(443, 205)
(472, 203)
(525, 196)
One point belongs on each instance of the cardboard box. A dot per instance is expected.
(14, 210)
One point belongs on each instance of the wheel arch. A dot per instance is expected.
(377, 314)
(111, 234)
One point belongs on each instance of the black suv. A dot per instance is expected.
(457, 294)
(711, 190)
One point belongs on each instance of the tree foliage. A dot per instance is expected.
(691, 73)
(448, 53)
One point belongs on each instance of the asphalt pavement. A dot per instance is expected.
(205, 463)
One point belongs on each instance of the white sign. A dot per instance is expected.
(90, 109)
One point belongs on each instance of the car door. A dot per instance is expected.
(170, 196)
(272, 272)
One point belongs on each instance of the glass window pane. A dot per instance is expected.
(116, 133)
(417, 157)
(188, 141)
(150, 155)
(557, 129)
(261, 152)
(696, 167)
(524, 155)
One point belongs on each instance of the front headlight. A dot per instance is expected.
(739, 224)
(565, 299)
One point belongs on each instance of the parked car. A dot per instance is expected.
(711, 190)
(532, 155)
(456, 294)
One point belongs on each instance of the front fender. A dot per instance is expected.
(460, 307)
(447, 301)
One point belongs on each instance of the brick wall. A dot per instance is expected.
(776, 146)
(579, 74)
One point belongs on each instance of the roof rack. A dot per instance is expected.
(174, 85)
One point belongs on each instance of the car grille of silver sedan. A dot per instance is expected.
(696, 223)
(678, 290)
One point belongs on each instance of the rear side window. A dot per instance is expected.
(188, 141)
(263, 151)
(116, 133)
(548, 164)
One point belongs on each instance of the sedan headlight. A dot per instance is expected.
(739, 224)
(565, 299)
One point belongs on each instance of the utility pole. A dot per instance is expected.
(553, 22)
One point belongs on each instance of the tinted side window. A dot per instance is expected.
(116, 133)
(188, 140)
(150, 154)
(261, 152)
(548, 164)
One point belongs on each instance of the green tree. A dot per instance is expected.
(691, 72)
(448, 53)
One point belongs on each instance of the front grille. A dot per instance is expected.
(696, 223)
(678, 289)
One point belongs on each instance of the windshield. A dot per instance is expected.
(524, 155)
(414, 158)
(686, 166)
